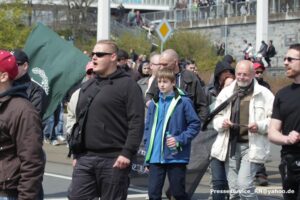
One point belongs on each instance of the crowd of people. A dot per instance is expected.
(264, 54)
(164, 104)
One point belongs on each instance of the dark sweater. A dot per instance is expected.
(115, 118)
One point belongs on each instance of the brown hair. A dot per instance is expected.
(295, 47)
(111, 43)
(167, 74)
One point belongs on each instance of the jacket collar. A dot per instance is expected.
(257, 88)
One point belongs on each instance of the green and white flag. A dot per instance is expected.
(55, 64)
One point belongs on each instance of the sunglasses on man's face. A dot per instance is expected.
(100, 54)
(259, 72)
(290, 59)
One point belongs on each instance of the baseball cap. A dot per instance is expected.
(21, 56)
(257, 65)
(8, 64)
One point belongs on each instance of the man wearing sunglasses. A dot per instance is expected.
(113, 129)
(284, 128)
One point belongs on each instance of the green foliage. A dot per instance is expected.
(138, 42)
(81, 42)
(194, 46)
(13, 32)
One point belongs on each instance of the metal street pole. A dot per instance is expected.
(103, 25)
(262, 18)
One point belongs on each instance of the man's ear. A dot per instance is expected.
(4, 77)
(26, 66)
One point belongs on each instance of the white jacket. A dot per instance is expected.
(260, 110)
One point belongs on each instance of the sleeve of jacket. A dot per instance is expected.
(193, 124)
(38, 99)
(222, 115)
(135, 116)
(148, 125)
(71, 116)
(263, 124)
(153, 90)
(30, 154)
(200, 101)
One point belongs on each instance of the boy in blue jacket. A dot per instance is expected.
(171, 124)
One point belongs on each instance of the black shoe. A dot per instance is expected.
(261, 181)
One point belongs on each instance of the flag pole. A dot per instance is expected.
(103, 22)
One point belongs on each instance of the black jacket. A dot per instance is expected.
(115, 119)
(36, 94)
(189, 83)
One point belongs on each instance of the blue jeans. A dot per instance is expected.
(219, 180)
(176, 175)
(48, 127)
(53, 125)
(94, 176)
(261, 170)
(241, 173)
(8, 198)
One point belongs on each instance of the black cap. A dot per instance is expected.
(221, 67)
(122, 54)
(228, 58)
(21, 56)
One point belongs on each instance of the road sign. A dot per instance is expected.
(164, 30)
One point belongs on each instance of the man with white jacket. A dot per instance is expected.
(242, 130)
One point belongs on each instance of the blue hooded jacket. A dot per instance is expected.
(180, 120)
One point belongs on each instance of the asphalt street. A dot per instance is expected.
(58, 175)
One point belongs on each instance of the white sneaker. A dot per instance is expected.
(47, 141)
(61, 139)
(55, 142)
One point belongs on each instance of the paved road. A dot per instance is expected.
(58, 173)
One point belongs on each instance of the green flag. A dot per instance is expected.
(55, 64)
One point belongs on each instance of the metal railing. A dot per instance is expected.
(170, 3)
(221, 10)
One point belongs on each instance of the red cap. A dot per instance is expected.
(8, 64)
(257, 65)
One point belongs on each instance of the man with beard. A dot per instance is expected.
(242, 130)
(285, 125)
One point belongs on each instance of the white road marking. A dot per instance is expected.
(144, 192)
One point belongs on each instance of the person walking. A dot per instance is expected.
(285, 125)
(242, 130)
(113, 130)
(171, 124)
(22, 159)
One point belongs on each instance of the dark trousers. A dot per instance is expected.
(261, 170)
(94, 176)
(176, 175)
(219, 180)
(290, 181)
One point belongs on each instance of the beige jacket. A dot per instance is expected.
(260, 110)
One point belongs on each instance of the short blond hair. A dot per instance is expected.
(111, 43)
(167, 74)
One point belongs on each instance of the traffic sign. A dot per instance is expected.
(164, 30)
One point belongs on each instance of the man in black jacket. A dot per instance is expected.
(36, 94)
(113, 130)
(185, 80)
